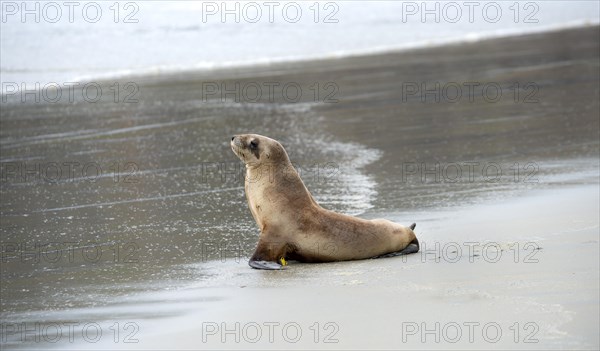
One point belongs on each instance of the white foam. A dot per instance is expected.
(355, 190)
(470, 37)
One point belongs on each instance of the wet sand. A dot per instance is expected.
(160, 235)
(518, 286)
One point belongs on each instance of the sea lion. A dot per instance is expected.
(294, 227)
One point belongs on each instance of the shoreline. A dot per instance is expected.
(283, 63)
(219, 71)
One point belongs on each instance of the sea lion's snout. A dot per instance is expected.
(236, 142)
(246, 147)
(239, 140)
(236, 145)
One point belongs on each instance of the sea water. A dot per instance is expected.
(46, 42)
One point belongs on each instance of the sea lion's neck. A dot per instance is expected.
(281, 177)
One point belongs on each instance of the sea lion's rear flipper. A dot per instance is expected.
(412, 226)
(270, 265)
(413, 247)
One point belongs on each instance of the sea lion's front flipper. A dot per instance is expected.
(268, 255)
(265, 265)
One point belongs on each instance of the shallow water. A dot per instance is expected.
(69, 48)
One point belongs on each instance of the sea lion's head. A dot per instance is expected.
(257, 149)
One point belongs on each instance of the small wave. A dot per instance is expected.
(346, 188)
(470, 37)
(207, 66)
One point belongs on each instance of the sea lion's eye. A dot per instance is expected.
(253, 144)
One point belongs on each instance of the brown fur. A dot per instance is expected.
(292, 224)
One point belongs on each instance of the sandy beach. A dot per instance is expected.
(124, 222)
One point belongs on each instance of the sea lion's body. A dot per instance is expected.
(293, 226)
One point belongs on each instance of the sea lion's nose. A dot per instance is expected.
(233, 137)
